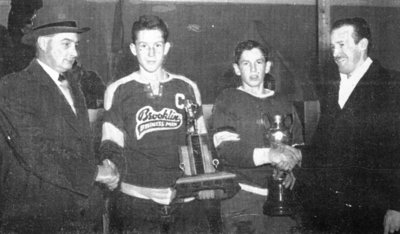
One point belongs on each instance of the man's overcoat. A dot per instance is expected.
(54, 174)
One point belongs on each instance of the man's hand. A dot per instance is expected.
(284, 157)
(391, 222)
(108, 174)
(289, 181)
(161, 196)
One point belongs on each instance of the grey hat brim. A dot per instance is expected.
(31, 37)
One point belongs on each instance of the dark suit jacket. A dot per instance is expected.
(356, 153)
(56, 144)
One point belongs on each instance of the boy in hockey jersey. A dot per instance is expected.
(144, 126)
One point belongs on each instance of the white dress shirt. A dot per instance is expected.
(349, 82)
(63, 86)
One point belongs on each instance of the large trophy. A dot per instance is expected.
(198, 165)
(280, 201)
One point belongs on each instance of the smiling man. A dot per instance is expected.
(356, 141)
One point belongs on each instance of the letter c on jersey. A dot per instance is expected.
(180, 100)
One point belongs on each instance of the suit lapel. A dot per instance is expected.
(81, 117)
(360, 92)
(77, 122)
(331, 99)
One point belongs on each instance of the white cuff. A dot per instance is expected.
(223, 136)
(260, 156)
(254, 189)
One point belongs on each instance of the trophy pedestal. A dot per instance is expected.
(280, 209)
(280, 201)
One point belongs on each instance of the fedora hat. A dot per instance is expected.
(52, 28)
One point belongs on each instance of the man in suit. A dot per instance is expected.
(50, 186)
(356, 155)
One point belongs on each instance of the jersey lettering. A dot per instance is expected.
(149, 120)
(180, 100)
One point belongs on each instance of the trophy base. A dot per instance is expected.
(277, 210)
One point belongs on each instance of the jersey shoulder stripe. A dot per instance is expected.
(109, 93)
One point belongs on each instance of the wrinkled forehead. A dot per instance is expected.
(67, 36)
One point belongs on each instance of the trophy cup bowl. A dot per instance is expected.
(280, 201)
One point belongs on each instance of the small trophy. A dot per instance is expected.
(280, 201)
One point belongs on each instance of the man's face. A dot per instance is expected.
(252, 68)
(61, 51)
(347, 54)
(150, 49)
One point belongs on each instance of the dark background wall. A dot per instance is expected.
(204, 35)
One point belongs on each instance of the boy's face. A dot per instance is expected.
(150, 49)
(252, 68)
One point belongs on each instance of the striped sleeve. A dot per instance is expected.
(113, 136)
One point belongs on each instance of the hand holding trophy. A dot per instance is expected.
(283, 156)
(278, 136)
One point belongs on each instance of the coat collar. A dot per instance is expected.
(80, 121)
(370, 79)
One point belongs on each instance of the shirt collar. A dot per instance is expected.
(359, 72)
(267, 93)
(50, 71)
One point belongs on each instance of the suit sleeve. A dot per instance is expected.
(390, 129)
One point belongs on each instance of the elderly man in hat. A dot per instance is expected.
(48, 178)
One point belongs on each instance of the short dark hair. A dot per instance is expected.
(361, 28)
(147, 22)
(249, 45)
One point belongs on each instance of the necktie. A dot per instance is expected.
(64, 84)
(61, 78)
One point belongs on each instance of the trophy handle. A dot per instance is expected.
(289, 122)
(267, 120)
(215, 163)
